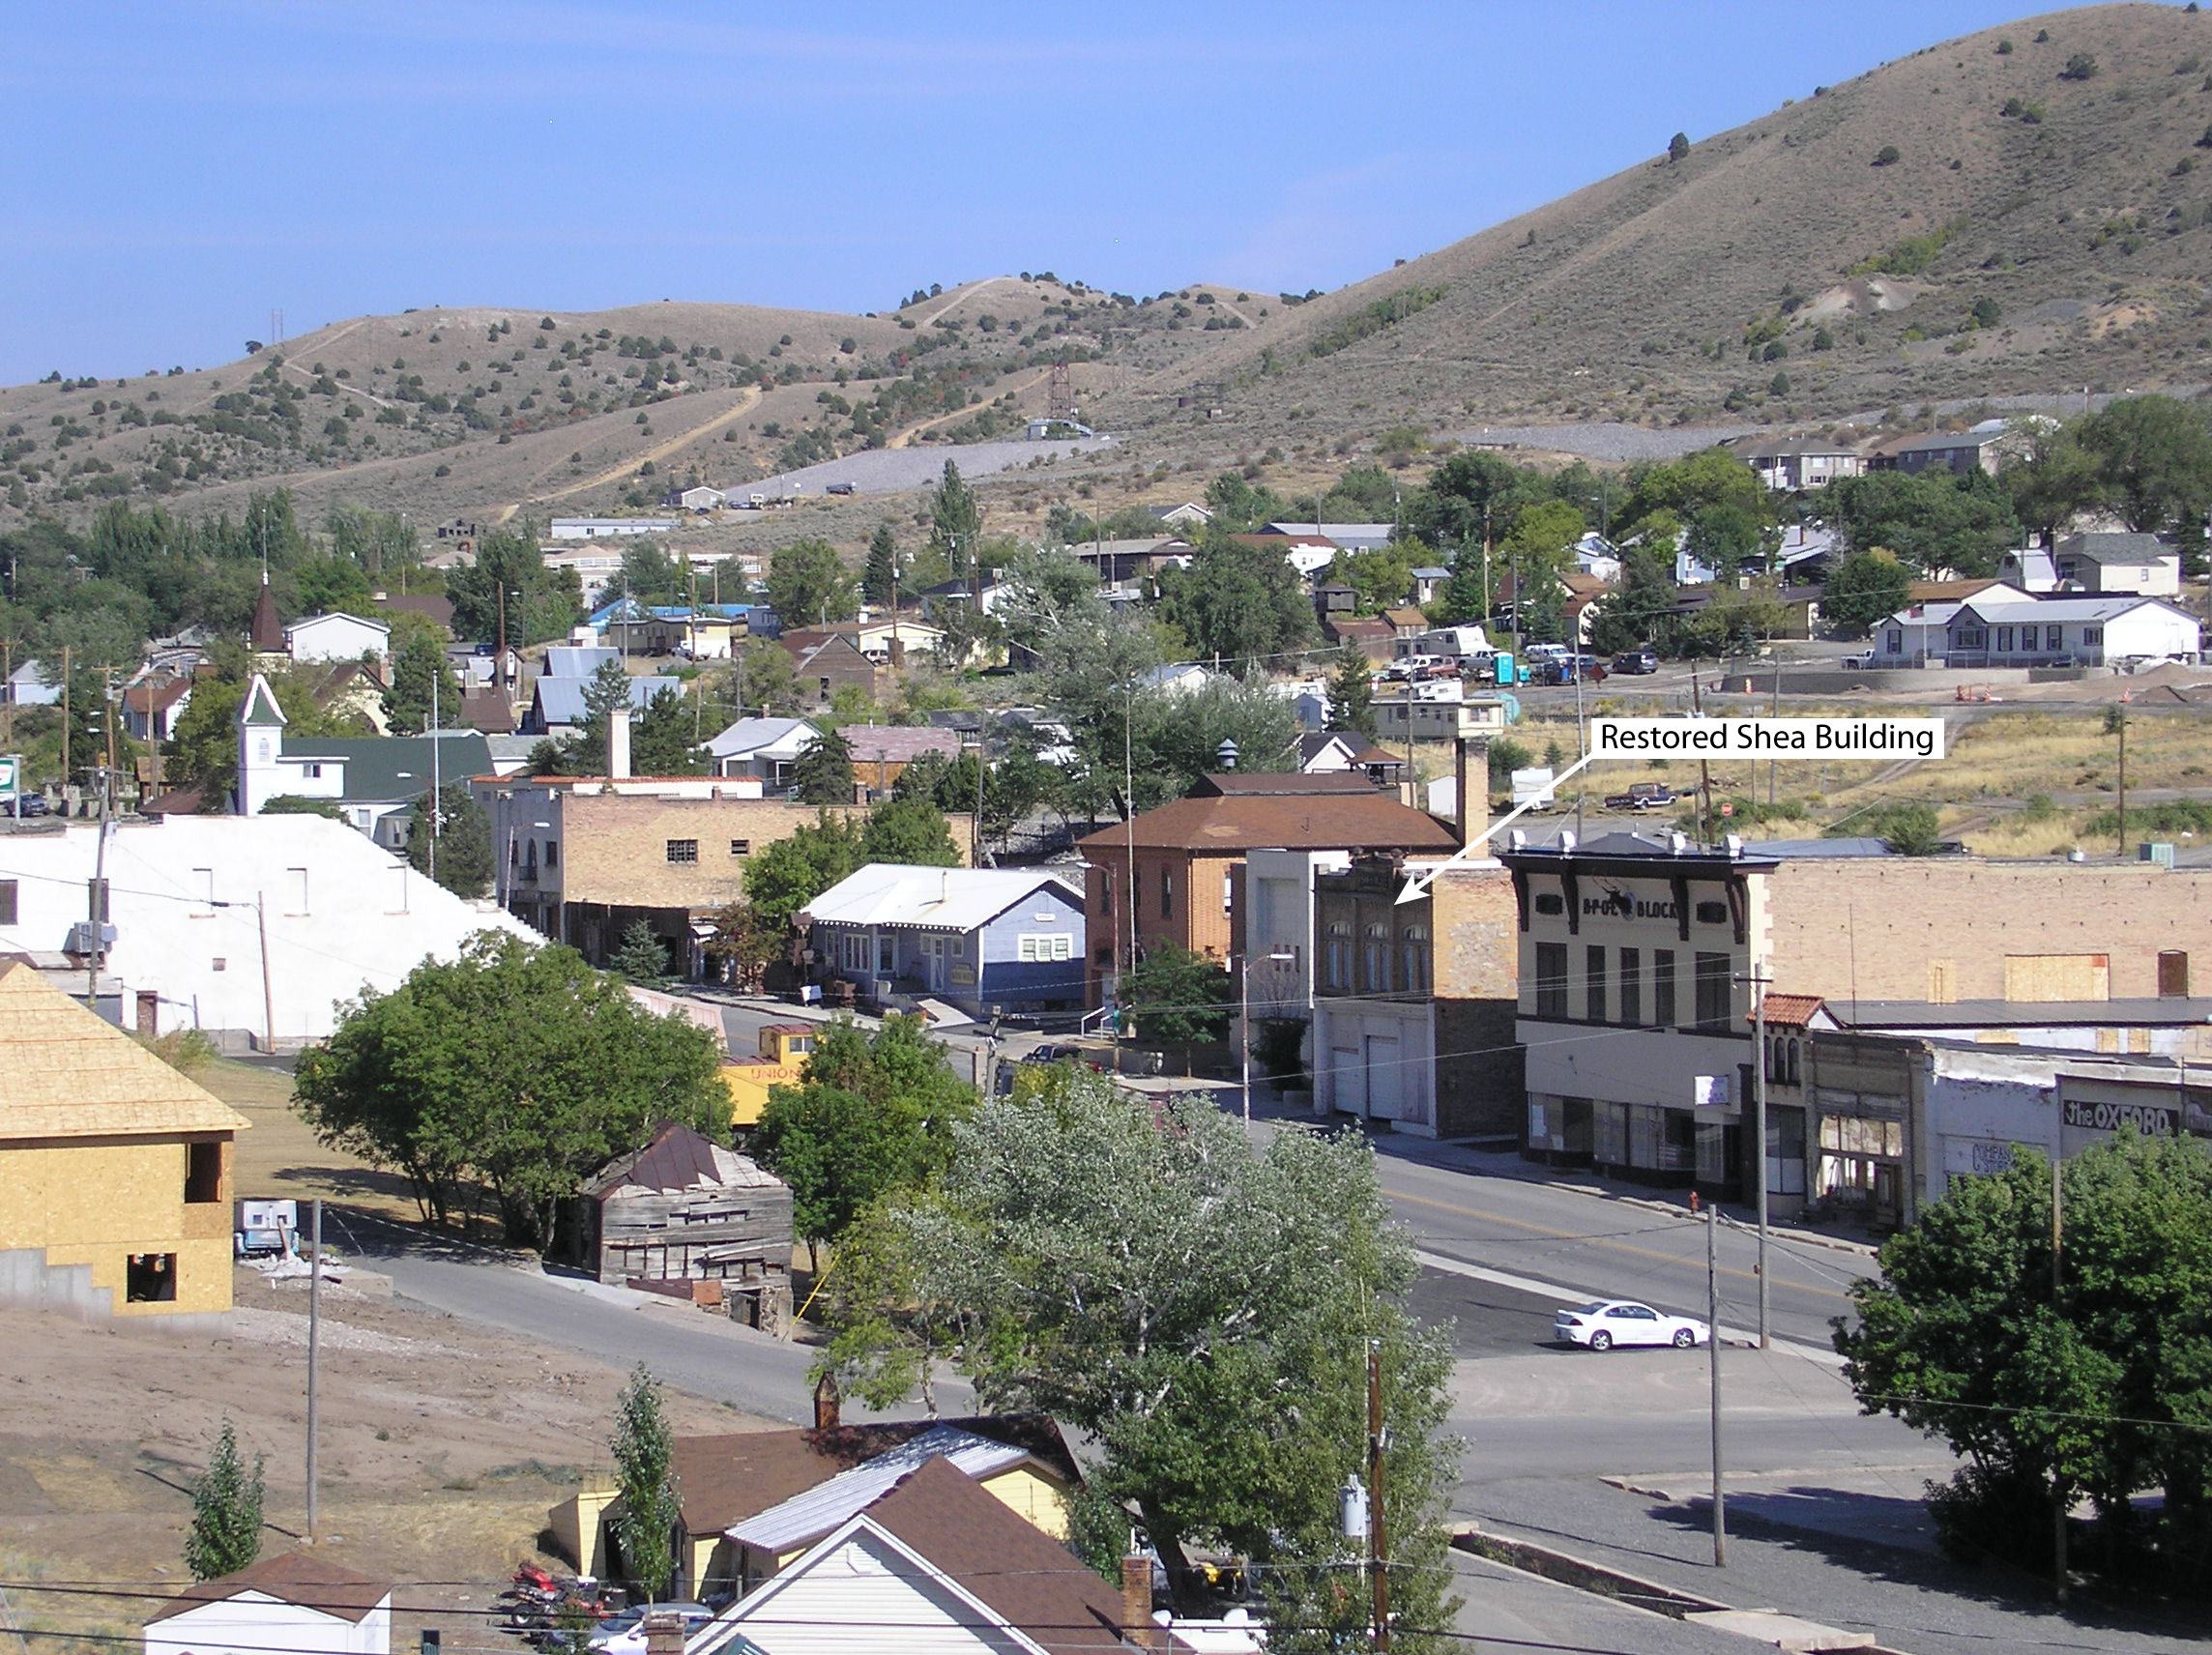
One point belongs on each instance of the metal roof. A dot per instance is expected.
(749, 736)
(902, 894)
(805, 1518)
(385, 770)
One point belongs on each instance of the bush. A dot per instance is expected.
(2082, 66)
(1506, 755)
(1887, 155)
(188, 1051)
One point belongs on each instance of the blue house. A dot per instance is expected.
(974, 937)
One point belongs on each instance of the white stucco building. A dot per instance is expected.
(336, 638)
(246, 926)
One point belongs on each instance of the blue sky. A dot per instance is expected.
(178, 170)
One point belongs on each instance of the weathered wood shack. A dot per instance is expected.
(684, 1210)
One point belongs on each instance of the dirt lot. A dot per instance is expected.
(443, 1446)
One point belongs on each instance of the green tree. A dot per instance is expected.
(333, 584)
(1679, 147)
(1866, 587)
(642, 958)
(1638, 611)
(955, 521)
(2153, 459)
(665, 741)
(1930, 520)
(808, 585)
(1238, 508)
(225, 1533)
(1675, 492)
(1351, 692)
(746, 944)
(1470, 500)
(202, 750)
(912, 831)
(1176, 994)
(462, 841)
(784, 877)
(1237, 602)
(540, 603)
(880, 583)
(644, 1453)
(871, 1113)
(1908, 829)
(2052, 1383)
(1178, 733)
(416, 666)
(823, 774)
(518, 1069)
(1200, 1310)
(651, 574)
(1380, 579)
(1733, 539)
(761, 679)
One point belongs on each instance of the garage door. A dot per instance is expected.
(1348, 1081)
(1386, 1078)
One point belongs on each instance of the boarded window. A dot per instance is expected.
(2173, 963)
(296, 890)
(7, 902)
(1552, 979)
(2058, 976)
(1714, 991)
(1593, 983)
(1631, 986)
(1663, 988)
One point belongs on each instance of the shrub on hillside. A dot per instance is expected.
(1888, 155)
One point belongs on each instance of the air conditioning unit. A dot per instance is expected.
(86, 938)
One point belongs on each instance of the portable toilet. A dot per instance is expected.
(1507, 672)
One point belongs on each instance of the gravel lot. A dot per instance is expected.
(894, 471)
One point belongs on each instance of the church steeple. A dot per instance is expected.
(261, 725)
(268, 632)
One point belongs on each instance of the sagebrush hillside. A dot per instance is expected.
(2052, 176)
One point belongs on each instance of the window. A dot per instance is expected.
(1225, 892)
(7, 902)
(1663, 988)
(1414, 945)
(1714, 991)
(1632, 986)
(150, 1278)
(1058, 945)
(1712, 913)
(1971, 638)
(313, 772)
(1167, 893)
(1893, 641)
(682, 850)
(2053, 637)
(1137, 889)
(514, 854)
(296, 890)
(552, 852)
(737, 848)
(1552, 979)
(2004, 639)
(1378, 960)
(2093, 635)
(203, 1174)
(1551, 902)
(201, 886)
(1337, 974)
(1593, 983)
(886, 955)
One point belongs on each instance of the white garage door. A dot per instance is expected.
(1386, 1078)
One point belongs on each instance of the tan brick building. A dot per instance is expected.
(115, 1169)
(583, 858)
(1636, 957)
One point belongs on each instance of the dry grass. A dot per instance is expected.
(279, 1158)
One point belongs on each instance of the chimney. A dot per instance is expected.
(826, 1416)
(663, 1635)
(1137, 1626)
(1471, 775)
(618, 744)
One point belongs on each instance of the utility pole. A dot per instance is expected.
(1713, 1357)
(2059, 1501)
(315, 1346)
(96, 913)
(1378, 1543)
(1758, 1134)
(2121, 720)
(437, 790)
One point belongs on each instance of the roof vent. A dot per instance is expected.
(1678, 843)
(1567, 842)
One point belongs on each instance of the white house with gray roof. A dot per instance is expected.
(2140, 563)
(974, 937)
(2087, 632)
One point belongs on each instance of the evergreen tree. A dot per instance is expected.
(462, 842)
(955, 521)
(225, 1533)
(644, 1451)
(880, 584)
(824, 773)
(642, 958)
(606, 692)
(418, 665)
(663, 742)
(1352, 693)
(1635, 612)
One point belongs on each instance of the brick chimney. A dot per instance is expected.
(825, 1404)
(1137, 1626)
(663, 1635)
(1470, 765)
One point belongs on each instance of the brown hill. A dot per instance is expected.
(1842, 241)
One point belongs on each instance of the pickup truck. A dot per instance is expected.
(1643, 796)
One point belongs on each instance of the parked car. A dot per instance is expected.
(28, 804)
(837, 488)
(1859, 662)
(1636, 662)
(624, 1634)
(1610, 1322)
(1643, 796)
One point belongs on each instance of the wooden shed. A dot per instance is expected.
(687, 1213)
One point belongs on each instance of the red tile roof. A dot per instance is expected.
(1791, 1010)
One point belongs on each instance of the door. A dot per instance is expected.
(1351, 1081)
(932, 961)
(1386, 1078)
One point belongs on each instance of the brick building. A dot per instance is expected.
(585, 858)
(1637, 956)
(1174, 875)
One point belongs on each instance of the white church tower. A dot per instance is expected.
(260, 747)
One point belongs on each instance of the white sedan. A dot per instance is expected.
(1612, 1321)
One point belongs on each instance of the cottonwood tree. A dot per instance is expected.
(2051, 1384)
(225, 1533)
(644, 1452)
(518, 1069)
(1201, 1310)
(1865, 588)
(808, 585)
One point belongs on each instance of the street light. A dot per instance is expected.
(1279, 956)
